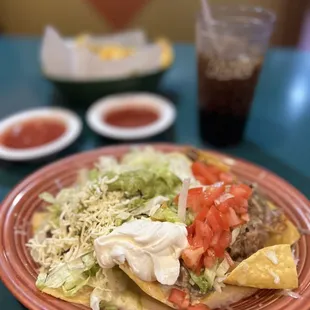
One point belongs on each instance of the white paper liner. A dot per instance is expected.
(64, 59)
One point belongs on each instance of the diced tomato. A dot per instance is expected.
(215, 238)
(241, 202)
(233, 218)
(210, 252)
(218, 250)
(243, 211)
(194, 198)
(194, 203)
(204, 232)
(201, 179)
(226, 177)
(225, 239)
(190, 229)
(223, 207)
(190, 240)
(212, 193)
(206, 243)
(220, 218)
(216, 214)
(209, 261)
(202, 214)
(176, 296)
(201, 170)
(179, 298)
(203, 229)
(197, 241)
(190, 233)
(229, 259)
(245, 217)
(192, 193)
(198, 307)
(225, 221)
(212, 220)
(209, 236)
(199, 266)
(195, 191)
(241, 190)
(213, 169)
(191, 257)
(199, 228)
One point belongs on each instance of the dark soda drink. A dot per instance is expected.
(230, 50)
(226, 90)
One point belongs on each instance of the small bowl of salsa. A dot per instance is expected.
(37, 133)
(131, 116)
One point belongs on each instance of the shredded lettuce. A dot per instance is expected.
(210, 274)
(71, 277)
(222, 269)
(70, 288)
(150, 207)
(201, 281)
(150, 159)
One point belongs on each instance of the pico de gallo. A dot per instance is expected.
(218, 207)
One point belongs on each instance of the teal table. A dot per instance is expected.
(277, 135)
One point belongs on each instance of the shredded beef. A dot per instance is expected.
(254, 234)
(183, 279)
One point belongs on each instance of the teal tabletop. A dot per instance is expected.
(277, 131)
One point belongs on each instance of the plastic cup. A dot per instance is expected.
(230, 54)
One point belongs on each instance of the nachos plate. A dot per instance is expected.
(232, 292)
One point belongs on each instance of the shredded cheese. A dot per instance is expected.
(87, 212)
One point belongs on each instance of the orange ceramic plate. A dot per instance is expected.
(18, 271)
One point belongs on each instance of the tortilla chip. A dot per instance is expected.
(230, 294)
(153, 289)
(267, 271)
(289, 236)
(38, 220)
(149, 303)
(81, 298)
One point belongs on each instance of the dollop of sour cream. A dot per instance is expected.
(151, 249)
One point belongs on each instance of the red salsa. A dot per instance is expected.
(32, 133)
(130, 116)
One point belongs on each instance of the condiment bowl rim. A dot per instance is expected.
(164, 107)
